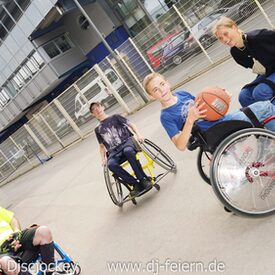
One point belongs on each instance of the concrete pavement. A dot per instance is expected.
(180, 228)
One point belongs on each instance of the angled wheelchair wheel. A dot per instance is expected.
(158, 156)
(115, 189)
(243, 172)
(203, 164)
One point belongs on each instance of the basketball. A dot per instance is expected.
(216, 101)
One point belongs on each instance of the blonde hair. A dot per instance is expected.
(148, 78)
(224, 22)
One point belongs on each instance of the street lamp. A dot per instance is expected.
(141, 93)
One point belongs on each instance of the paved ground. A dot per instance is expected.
(183, 223)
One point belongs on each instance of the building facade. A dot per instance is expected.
(46, 45)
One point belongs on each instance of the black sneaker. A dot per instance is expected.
(146, 183)
(137, 190)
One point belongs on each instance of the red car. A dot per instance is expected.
(155, 52)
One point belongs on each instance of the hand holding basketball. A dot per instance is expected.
(216, 101)
(196, 111)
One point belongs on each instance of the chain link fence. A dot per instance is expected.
(180, 41)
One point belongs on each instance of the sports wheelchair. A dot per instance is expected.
(63, 264)
(149, 154)
(238, 161)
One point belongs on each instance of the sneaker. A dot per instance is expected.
(146, 183)
(137, 190)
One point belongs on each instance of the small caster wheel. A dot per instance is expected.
(226, 209)
(157, 186)
(134, 201)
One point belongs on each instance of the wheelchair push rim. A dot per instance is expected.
(158, 156)
(243, 172)
(203, 164)
(114, 187)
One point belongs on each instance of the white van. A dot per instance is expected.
(97, 91)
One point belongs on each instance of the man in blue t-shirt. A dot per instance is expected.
(116, 146)
(180, 111)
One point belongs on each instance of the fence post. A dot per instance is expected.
(111, 88)
(264, 13)
(67, 116)
(36, 139)
(19, 148)
(190, 30)
(51, 130)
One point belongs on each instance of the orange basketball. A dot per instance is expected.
(216, 102)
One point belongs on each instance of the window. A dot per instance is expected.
(57, 46)
(10, 89)
(83, 22)
(4, 98)
(37, 59)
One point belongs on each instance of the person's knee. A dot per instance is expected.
(263, 92)
(243, 97)
(43, 235)
(112, 164)
(9, 266)
(129, 151)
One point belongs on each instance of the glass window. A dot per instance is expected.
(37, 59)
(24, 73)
(51, 49)
(10, 89)
(83, 22)
(62, 43)
(31, 66)
(57, 46)
(4, 98)
(93, 91)
(112, 77)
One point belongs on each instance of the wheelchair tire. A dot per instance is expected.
(203, 166)
(242, 172)
(114, 187)
(158, 156)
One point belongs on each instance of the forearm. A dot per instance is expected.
(15, 225)
(102, 152)
(182, 139)
(135, 129)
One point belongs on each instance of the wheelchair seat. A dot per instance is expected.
(210, 139)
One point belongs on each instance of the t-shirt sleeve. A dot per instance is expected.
(123, 120)
(98, 136)
(6, 215)
(170, 126)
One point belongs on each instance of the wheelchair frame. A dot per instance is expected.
(235, 132)
(63, 263)
(153, 154)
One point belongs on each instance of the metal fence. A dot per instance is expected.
(180, 41)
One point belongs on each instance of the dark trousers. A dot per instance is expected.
(114, 164)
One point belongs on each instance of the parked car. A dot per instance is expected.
(155, 52)
(179, 47)
(96, 90)
(203, 29)
(239, 12)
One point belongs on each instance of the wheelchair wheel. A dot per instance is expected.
(243, 172)
(115, 188)
(203, 164)
(158, 156)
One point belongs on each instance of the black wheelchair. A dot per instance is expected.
(238, 160)
(149, 155)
